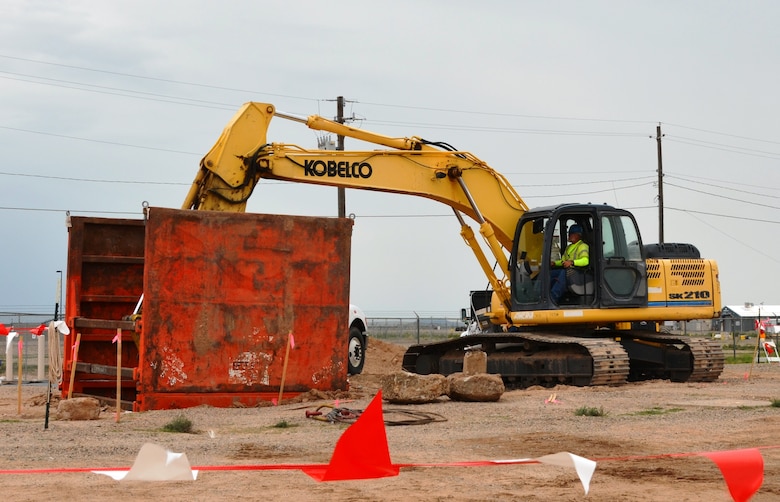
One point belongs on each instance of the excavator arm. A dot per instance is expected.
(232, 168)
(242, 156)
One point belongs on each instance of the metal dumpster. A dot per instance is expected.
(223, 296)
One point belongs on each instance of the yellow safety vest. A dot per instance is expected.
(579, 253)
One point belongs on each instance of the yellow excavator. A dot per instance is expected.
(602, 329)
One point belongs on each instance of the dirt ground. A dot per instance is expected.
(643, 423)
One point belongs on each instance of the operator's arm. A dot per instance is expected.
(581, 257)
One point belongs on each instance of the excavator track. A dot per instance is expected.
(610, 361)
(602, 358)
(680, 359)
(526, 359)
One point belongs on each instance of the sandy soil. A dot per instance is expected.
(644, 422)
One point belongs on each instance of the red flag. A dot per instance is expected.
(743, 471)
(37, 331)
(3, 330)
(362, 451)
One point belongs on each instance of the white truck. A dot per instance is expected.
(358, 340)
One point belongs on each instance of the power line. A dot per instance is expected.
(731, 237)
(724, 197)
(134, 94)
(727, 146)
(163, 98)
(706, 213)
(592, 182)
(115, 143)
(724, 149)
(71, 211)
(209, 104)
(157, 79)
(370, 103)
(513, 130)
(503, 114)
(389, 105)
(729, 188)
(88, 180)
(724, 134)
(610, 189)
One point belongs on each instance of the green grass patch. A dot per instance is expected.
(739, 359)
(589, 411)
(775, 403)
(179, 424)
(657, 410)
(283, 424)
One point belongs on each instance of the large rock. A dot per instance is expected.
(402, 387)
(78, 408)
(483, 387)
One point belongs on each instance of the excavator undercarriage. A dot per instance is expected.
(599, 358)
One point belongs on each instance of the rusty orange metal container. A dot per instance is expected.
(224, 293)
(104, 282)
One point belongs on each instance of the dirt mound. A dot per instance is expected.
(383, 357)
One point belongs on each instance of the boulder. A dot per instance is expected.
(78, 408)
(483, 387)
(402, 387)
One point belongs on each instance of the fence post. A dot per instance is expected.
(418, 326)
(41, 354)
(9, 356)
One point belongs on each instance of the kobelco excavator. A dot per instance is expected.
(602, 329)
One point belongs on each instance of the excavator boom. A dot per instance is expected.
(242, 156)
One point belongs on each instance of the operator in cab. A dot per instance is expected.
(577, 254)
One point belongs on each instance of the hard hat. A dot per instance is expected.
(575, 229)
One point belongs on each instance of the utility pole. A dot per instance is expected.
(340, 147)
(658, 137)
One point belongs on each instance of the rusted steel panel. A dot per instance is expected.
(223, 292)
(104, 282)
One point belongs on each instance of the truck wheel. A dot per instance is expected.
(357, 351)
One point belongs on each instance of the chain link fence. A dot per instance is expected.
(412, 330)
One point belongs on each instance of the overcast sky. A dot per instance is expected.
(106, 105)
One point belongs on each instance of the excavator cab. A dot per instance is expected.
(615, 275)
